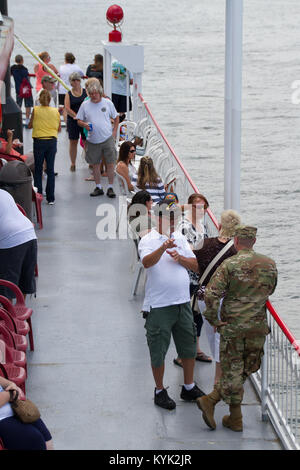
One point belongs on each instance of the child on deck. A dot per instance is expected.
(19, 72)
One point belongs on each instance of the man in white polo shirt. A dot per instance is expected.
(166, 255)
(98, 112)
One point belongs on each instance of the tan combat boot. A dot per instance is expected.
(207, 405)
(234, 421)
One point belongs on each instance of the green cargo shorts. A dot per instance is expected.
(164, 321)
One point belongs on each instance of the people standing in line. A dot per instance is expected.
(191, 226)
(166, 256)
(73, 101)
(147, 179)
(18, 247)
(95, 70)
(40, 71)
(120, 88)
(211, 252)
(244, 281)
(65, 71)
(15, 434)
(95, 116)
(45, 125)
(48, 83)
(21, 78)
(124, 166)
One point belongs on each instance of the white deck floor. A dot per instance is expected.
(90, 372)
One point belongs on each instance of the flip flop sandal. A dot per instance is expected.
(202, 357)
(177, 363)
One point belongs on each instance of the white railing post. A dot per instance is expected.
(264, 382)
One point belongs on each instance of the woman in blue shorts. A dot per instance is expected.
(73, 100)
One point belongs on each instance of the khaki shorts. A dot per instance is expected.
(161, 323)
(95, 152)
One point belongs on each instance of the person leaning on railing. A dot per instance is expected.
(45, 122)
(14, 434)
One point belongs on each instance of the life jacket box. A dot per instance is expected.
(16, 178)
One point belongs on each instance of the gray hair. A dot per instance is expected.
(74, 76)
(229, 220)
(93, 87)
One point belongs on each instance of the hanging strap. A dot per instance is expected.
(214, 261)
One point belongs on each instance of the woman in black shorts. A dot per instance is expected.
(73, 100)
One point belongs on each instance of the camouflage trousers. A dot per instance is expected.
(240, 356)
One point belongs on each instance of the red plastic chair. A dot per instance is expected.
(12, 339)
(6, 303)
(37, 199)
(18, 358)
(14, 373)
(20, 327)
(22, 312)
(21, 209)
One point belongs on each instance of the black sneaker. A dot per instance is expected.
(110, 192)
(163, 400)
(191, 395)
(97, 192)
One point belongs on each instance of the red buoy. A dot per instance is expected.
(114, 16)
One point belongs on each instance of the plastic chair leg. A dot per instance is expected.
(30, 334)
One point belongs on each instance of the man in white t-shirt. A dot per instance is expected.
(166, 255)
(95, 116)
(18, 247)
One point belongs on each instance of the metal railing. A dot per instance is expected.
(278, 381)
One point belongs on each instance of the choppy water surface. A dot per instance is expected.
(184, 86)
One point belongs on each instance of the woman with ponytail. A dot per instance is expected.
(148, 180)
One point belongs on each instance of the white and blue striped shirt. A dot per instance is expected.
(157, 192)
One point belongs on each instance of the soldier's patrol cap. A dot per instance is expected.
(245, 231)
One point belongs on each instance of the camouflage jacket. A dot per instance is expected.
(244, 281)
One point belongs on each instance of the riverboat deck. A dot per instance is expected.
(90, 372)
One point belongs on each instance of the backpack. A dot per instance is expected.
(25, 89)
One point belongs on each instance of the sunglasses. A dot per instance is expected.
(132, 151)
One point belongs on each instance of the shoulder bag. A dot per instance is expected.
(25, 410)
(200, 293)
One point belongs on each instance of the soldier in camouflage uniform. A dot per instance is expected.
(245, 281)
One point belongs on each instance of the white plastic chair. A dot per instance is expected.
(137, 265)
(130, 131)
(123, 191)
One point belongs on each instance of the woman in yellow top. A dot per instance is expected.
(45, 124)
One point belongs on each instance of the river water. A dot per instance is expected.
(183, 84)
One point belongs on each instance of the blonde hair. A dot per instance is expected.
(44, 98)
(229, 220)
(147, 174)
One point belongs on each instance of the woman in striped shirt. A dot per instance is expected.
(148, 180)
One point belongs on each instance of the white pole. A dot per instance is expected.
(107, 73)
(237, 41)
(227, 106)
